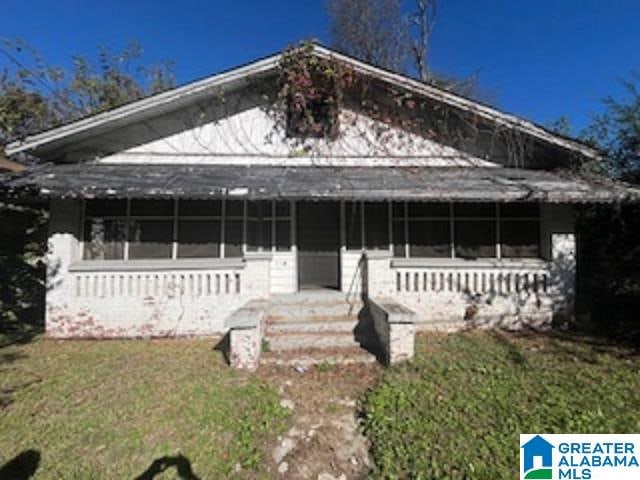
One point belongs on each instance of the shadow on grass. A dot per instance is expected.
(513, 351)
(22, 467)
(159, 465)
(224, 347)
(582, 346)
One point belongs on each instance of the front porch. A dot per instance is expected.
(129, 268)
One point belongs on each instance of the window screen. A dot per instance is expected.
(520, 230)
(376, 221)
(199, 238)
(353, 225)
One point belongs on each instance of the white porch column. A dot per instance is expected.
(378, 274)
(563, 274)
(64, 248)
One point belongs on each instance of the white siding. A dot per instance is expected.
(283, 272)
(242, 132)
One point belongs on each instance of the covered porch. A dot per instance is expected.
(163, 250)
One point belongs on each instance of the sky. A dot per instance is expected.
(538, 59)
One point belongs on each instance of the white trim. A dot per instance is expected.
(145, 265)
(463, 263)
(453, 99)
(145, 106)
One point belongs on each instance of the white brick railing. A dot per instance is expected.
(149, 278)
(450, 292)
(499, 278)
(152, 297)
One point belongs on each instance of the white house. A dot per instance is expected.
(194, 211)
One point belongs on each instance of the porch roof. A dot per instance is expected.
(481, 184)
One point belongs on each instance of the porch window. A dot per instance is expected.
(475, 230)
(520, 230)
(368, 230)
(376, 226)
(428, 230)
(199, 228)
(151, 229)
(465, 230)
(105, 230)
(353, 225)
(269, 226)
(170, 229)
(233, 228)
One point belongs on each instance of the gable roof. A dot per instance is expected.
(179, 96)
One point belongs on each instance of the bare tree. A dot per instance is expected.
(422, 22)
(375, 31)
(382, 33)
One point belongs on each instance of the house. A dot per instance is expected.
(194, 211)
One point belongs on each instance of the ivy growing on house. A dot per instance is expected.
(312, 90)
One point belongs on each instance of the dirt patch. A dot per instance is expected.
(325, 440)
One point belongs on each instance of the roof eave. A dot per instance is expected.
(142, 106)
(149, 104)
(506, 119)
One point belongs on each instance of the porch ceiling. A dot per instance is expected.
(320, 183)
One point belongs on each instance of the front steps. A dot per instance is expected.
(316, 327)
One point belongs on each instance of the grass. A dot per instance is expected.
(115, 409)
(457, 411)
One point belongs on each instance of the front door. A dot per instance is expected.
(318, 244)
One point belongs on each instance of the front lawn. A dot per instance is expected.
(456, 413)
(128, 409)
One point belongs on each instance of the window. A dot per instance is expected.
(353, 225)
(466, 230)
(520, 230)
(269, 226)
(151, 229)
(233, 228)
(475, 230)
(428, 229)
(157, 229)
(199, 228)
(370, 232)
(283, 226)
(105, 230)
(376, 226)
(399, 229)
(259, 229)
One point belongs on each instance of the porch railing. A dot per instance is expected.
(502, 278)
(141, 283)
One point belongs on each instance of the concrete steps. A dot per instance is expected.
(312, 357)
(316, 340)
(314, 327)
(306, 310)
(345, 324)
